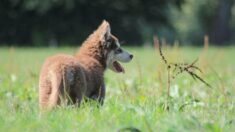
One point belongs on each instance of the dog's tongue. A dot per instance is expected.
(118, 67)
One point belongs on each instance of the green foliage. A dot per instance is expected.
(134, 99)
(40, 22)
(196, 19)
(53, 22)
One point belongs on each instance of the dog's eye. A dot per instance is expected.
(109, 40)
(118, 50)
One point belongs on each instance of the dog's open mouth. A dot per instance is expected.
(118, 67)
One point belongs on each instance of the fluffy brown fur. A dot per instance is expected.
(72, 77)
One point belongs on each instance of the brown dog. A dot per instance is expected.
(72, 77)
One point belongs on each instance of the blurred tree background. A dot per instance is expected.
(69, 22)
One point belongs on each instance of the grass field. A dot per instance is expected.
(134, 99)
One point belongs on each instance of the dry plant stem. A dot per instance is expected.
(180, 67)
(169, 83)
(157, 44)
(187, 68)
(167, 107)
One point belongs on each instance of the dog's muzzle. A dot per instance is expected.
(124, 57)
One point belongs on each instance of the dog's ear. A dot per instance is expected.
(105, 31)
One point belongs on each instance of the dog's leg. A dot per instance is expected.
(44, 92)
(56, 85)
(80, 86)
(99, 94)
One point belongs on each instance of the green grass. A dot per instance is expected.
(134, 99)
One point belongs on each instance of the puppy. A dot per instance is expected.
(66, 77)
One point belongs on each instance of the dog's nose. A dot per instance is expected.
(131, 56)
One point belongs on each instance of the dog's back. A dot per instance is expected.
(59, 74)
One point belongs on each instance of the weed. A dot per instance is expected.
(178, 68)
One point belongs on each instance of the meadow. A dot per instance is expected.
(135, 99)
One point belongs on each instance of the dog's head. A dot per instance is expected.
(112, 50)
